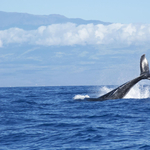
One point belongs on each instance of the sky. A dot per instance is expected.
(115, 11)
(71, 54)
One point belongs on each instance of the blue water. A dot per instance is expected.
(49, 118)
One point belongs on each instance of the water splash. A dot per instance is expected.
(138, 92)
(104, 90)
(81, 97)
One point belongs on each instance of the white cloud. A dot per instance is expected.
(71, 34)
(1, 44)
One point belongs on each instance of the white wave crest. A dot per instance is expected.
(81, 97)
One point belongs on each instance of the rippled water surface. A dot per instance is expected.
(54, 118)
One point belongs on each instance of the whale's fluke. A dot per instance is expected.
(144, 67)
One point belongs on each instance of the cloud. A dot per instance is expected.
(1, 44)
(116, 35)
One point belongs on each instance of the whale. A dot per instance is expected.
(122, 90)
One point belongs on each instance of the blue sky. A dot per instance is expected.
(115, 11)
(71, 54)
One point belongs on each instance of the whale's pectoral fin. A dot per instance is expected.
(144, 67)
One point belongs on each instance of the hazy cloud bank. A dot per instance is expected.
(71, 34)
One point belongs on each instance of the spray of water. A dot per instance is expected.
(104, 90)
(137, 92)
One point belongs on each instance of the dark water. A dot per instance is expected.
(49, 118)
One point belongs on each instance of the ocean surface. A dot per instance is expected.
(42, 118)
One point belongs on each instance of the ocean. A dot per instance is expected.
(58, 117)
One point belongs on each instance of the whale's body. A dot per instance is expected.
(122, 90)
